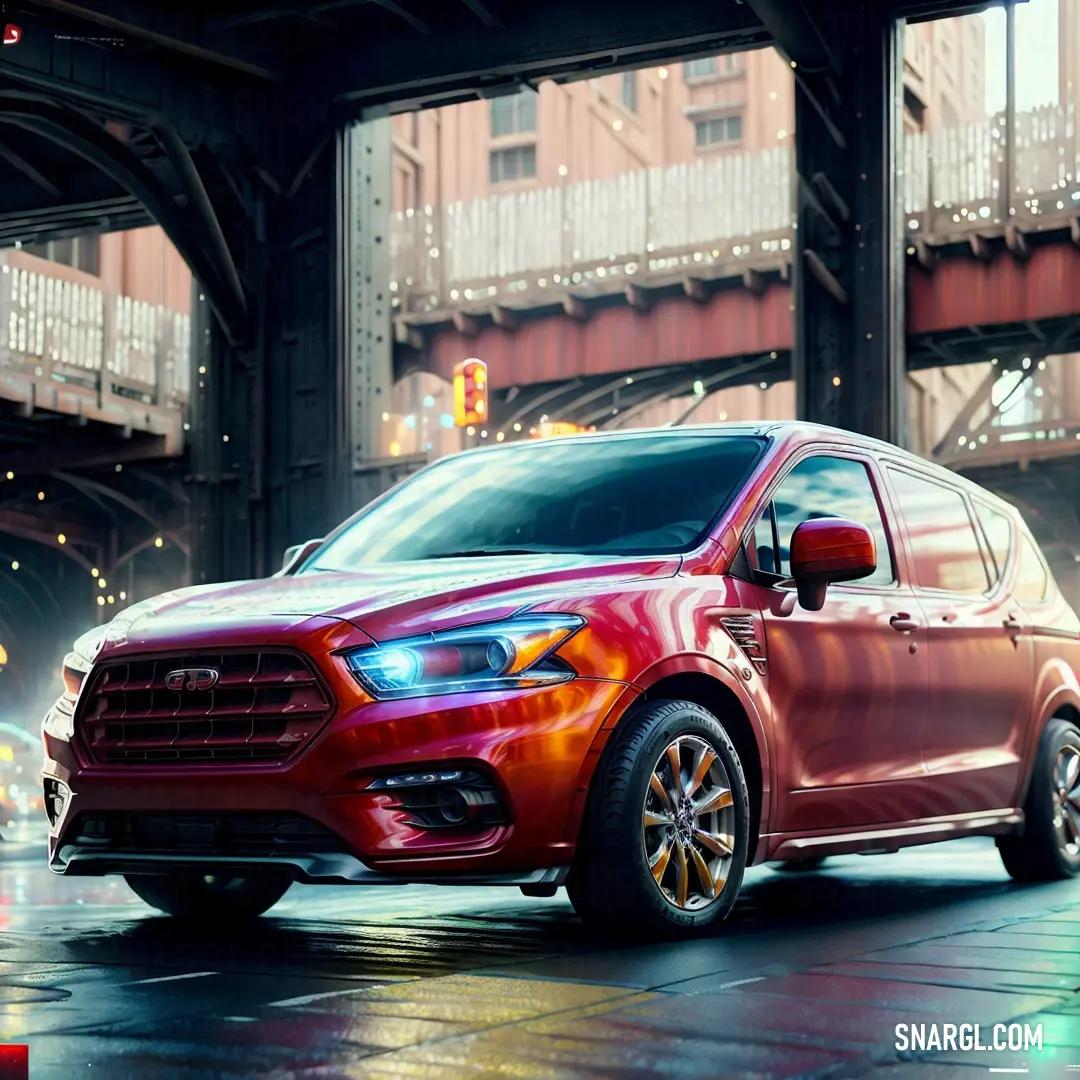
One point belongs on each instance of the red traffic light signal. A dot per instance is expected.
(470, 392)
(12, 34)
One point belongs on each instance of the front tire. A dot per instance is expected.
(1049, 848)
(218, 897)
(666, 833)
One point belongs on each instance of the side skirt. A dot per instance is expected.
(888, 838)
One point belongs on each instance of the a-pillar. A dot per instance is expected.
(284, 421)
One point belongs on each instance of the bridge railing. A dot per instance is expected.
(65, 331)
(706, 217)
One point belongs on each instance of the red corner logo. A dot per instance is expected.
(12, 34)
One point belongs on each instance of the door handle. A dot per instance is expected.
(1012, 622)
(904, 623)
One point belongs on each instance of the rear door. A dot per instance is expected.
(980, 646)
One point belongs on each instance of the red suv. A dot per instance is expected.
(627, 663)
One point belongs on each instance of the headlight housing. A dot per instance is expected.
(60, 719)
(513, 654)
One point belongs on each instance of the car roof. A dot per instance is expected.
(792, 433)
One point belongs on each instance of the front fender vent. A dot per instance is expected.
(744, 633)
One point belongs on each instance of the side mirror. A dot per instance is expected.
(829, 550)
(297, 554)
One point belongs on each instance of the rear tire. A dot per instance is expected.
(209, 896)
(661, 856)
(1049, 847)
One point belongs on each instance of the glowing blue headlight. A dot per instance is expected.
(517, 653)
(392, 669)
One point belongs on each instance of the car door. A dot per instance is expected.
(847, 683)
(980, 645)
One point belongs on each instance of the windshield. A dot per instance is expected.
(614, 496)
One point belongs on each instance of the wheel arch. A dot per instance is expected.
(704, 682)
(1059, 700)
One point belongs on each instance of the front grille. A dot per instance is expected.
(263, 707)
(223, 834)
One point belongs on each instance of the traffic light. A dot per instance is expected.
(470, 392)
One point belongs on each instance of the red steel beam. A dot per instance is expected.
(960, 292)
(967, 292)
(621, 338)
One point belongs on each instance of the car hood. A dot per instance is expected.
(394, 599)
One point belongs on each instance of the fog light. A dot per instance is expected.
(446, 798)
(452, 806)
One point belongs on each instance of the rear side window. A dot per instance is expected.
(998, 530)
(821, 487)
(1033, 583)
(943, 539)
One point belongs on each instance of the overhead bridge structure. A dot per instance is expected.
(232, 125)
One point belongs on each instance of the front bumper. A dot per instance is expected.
(533, 746)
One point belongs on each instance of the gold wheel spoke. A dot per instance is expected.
(682, 876)
(718, 800)
(688, 855)
(1072, 822)
(675, 764)
(1072, 771)
(703, 761)
(703, 874)
(656, 785)
(718, 845)
(659, 862)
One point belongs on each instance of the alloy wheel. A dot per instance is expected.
(688, 823)
(1066, 784)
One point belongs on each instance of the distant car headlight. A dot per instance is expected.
(513, 654)
(59, 721)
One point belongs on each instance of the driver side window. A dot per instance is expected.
(819, 487)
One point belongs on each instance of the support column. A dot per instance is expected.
(281, 423)
(367, 325)
(849, 268)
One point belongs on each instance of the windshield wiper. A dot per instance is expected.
(478, 553)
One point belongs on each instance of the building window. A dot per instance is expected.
(717, 131)
(80, 252)
(629, 91)
(513, 163)
(514, 114)
(728, 64)
(700, 69)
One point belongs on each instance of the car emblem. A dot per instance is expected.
(198, 678)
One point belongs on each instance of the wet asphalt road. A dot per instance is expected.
(809, 977)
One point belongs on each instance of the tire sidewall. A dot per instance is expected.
(664, 726)
(1042, 797)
